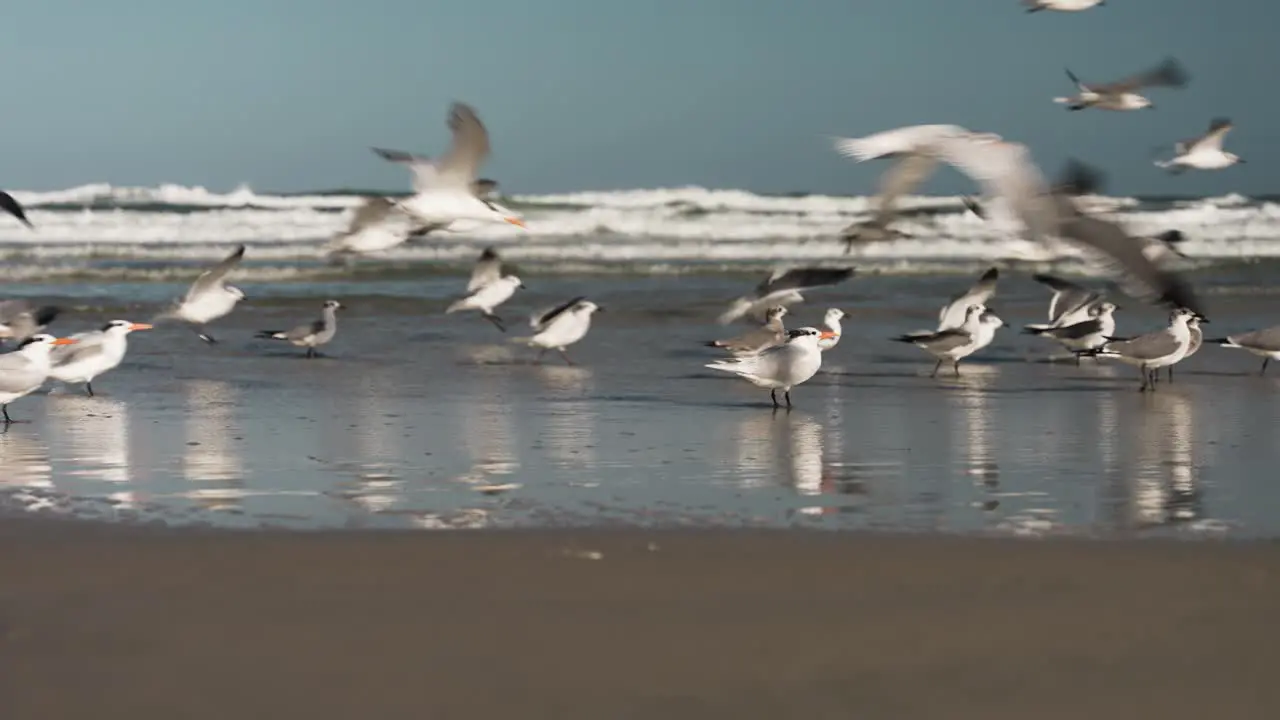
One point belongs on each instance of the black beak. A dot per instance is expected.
(1241, 160)
(599, 309)
(520, 286)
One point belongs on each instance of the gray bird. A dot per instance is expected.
(755, 341)
(1264, 343)
(783, 287)
(310, 335)
(20, 320)
(1123, 94)
(1154, 350)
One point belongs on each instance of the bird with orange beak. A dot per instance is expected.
(93, 353)
(24, 370)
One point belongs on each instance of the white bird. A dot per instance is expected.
(1061, 5)
(446, 190)
(781, 367)
(209, 298)
(489, 288)
(310, 335)
(1204, 152)
(1264, 343)
(93, 353)
(956, 344)
(783, 287)
(24, 370)
(14, 208)
(1085, 335)
(831, 321)
(953, 314)
(1154, 350)
(1197, 339)
(773, 332)
(1005, 171)
(1070, 304)
(559, 327)
(20, 320)
(378, 224)
(1123, 94)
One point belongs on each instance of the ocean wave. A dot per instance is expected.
(98, 227)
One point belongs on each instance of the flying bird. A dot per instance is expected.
(561, 326)
(1123, 94)
(783, 287)
(209, 298)
(489, 287)
(378, 224)
(1204, 152)
(310, 335)
(752, 342)
(20, 320)
(14, 208)
(1061, 5)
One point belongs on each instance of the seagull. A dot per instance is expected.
(953, 314)
(93, 353)
(14, 208)
(1069, 305)
(1154, 350)
(1085, 335)
(446, 188)
(831, 321)
(1265, 342)
(489, 288)
(754, 341)
(1061, 5)
(1197, 339)
(1123, 95)
(19, 320)
(310, 335)
(378, 224)
(783, 287)
(1005, 170)
(959, 343)
(559, 327)
(24, 370)
(1204, 152)
(781, 367)
(209, 297)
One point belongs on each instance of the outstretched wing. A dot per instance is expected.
(542, 318)
(487, 269)
(214, 276)
(1169, 73)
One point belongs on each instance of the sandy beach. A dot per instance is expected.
(98, 622)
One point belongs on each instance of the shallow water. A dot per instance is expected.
(416, 419)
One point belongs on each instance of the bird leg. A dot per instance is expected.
(934, 374)
(1263, 371)
(1146, 378)
(311, 352)
(89, 388)
(565, 355)
(497, 321)
(1170, 373)
(955, 367)
(8, 420)
(773, 395)
(787, 395)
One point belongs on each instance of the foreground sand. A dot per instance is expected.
(104, 622)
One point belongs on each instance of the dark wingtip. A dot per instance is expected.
(1172, 236)
(46, 314)
(265, 334)
(489, 254)
(1080, 179)
(991, 274)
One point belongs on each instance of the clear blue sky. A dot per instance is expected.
(600, 94)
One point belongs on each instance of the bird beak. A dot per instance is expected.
(139, 326)
(517, 222)
(826, 335)
(1203, 320)
(599, 309)
(65, 341)
(1241, 161)
(521, 286)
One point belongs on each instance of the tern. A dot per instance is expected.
(93, 353)
(209, 298)
(1204, 152)
(561, 326)
(781, 367)
(446, 189)
(489, 286)
(24, 370)
(783, 287)
(310, 335)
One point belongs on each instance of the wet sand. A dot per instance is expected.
(100, 621)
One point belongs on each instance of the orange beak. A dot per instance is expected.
(517, 222)
(827, 335)
(139, 326)
(65, 341)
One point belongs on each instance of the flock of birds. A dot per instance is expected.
(448, 194)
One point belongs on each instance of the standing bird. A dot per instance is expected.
(14, 208)
(954, 312)
(781, 367)
(773, 332)
(1204, 152)
(489, 288)
(1197, 339)
(831, 321)
(783, 287)
(19, 320)
(560, 327)
(209, 297)
(1061, 5)
(1264, 343)
(1154, 350)
(24, 370)
(959, 343)
(1123, 94)
(446, 190)
(93, 353)
(1085, 335)
(310, 335)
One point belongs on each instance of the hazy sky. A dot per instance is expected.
(602, 94)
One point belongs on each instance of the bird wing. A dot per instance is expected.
(909, 139)
(470, 147)
(1211, 140)
(901, 178)
(1264, 339)
(1068, 297)
(214, 276)
(87, 345)
(1147, 347)
(1076, 330)
(487, 269)
(1005, 170)
(542, 318)
(1169, 73)
(977, 294)
(14, 208)
(802, 279)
